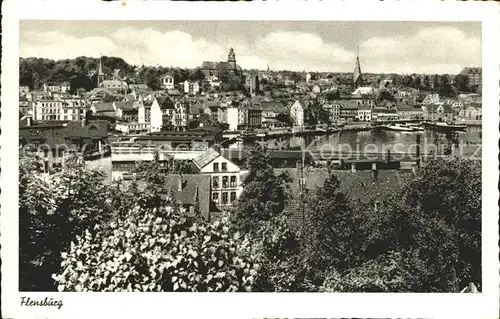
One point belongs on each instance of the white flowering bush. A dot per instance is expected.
(159, 249)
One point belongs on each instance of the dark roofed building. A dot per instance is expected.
(210, 68)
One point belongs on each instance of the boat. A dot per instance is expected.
(415, 127)
(398, 127)
(448, 126)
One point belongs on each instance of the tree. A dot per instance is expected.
(438, 215)
(385, 95)
(264, 194)
(196, 75)
(331, 237)
(426, 83)
(52, 210)
(461, 83)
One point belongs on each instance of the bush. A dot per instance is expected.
(52, 210)
(159, 249)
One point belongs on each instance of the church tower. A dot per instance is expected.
(231, 59)
(100, 73)
(357, 79)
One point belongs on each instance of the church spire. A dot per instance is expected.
(356, 76)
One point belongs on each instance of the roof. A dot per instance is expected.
(194, 187)
(93, 129)
(385, 110)
(205, 158)
(209, 65)
(125, 105)
(104, 107)
(277, 107)
(165, 102)
(358, 185)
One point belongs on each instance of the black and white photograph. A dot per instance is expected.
(277, 156)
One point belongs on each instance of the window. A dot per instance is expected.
(215, 197)
(233, 197)
(215, 182)
(225, 181)
(224, 167)
(216, 167)
(233, 181)
(224, 198)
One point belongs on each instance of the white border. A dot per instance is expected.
(255, 305)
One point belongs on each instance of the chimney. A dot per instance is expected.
(374, 171)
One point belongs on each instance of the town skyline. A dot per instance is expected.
(385, 47)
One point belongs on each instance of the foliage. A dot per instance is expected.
(159, 249)
(264, 194)
(52, 209)
(278, 250)
(332, 238)
(391, 272)
(438, 213)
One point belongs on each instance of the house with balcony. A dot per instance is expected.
(167, 82)
(226, 184)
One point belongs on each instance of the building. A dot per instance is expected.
(126, 111)
(471, 112)
(297, 113)
(226, 184)
(195, 139)
(409, 112)
(431, 98)
(23, 89)
(348, 110)
(181, 114)
(384, 114)
(117, 86)
(191, 87)
(162, 113)
(232, 118)
(62, 87)
(104, 109)
(252, 83)
(167, 82)
(60, 137)
(191, 192)
(474, 75)
(333, 108)
(437, 112)
(210, 68)
(46, 109)
(364, 114)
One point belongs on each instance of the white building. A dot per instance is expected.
(232, 118)
(191, 88)
(167, 82)
(224, 175)
(297, 114)
(56, 87)
(214, 81)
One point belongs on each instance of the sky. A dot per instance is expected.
(322, 46)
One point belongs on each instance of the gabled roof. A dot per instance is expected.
(205, 158)
(165, 102)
